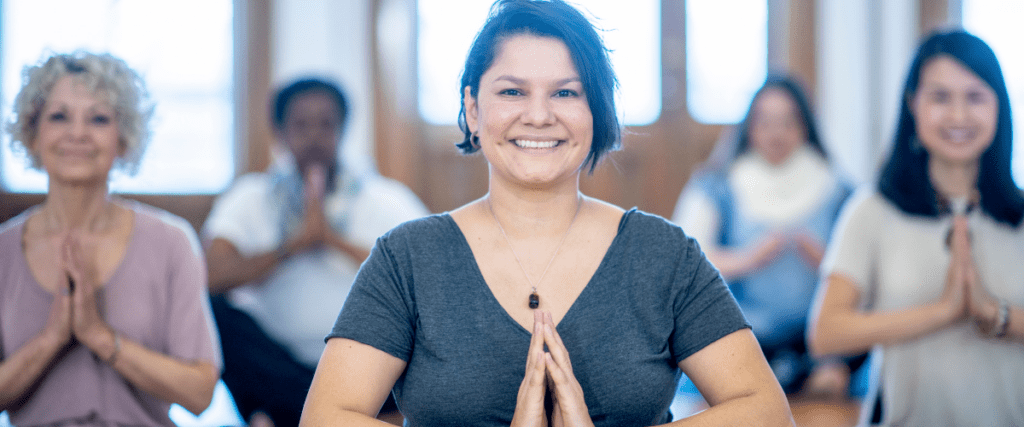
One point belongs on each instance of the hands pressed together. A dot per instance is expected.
(76, 313)
(316, 231)
(965, 296)
(549, 376)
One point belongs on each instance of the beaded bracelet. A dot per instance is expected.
(1002, 320)
(117, 349)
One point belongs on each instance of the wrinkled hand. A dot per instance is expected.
(530, 410)
(570, 408)
(87, 322)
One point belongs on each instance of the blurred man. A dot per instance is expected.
(283, 248)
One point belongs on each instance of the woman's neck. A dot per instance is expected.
(534, 211)
(953, 180)
(83, 208)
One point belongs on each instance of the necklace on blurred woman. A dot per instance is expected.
(534, 300)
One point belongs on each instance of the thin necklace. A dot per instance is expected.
(534, 300)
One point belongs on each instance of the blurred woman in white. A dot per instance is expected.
(927, 265)
(763, 219)
(104, 316)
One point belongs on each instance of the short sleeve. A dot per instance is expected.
(191, 334)
(379, 310)
(697, 214)
(704, 308)
(853, 240)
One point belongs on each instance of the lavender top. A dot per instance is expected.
(156, 297)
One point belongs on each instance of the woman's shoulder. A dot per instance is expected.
(651, 230)
(427, 228)
(154, 224)
(12, 228)
(866, 200)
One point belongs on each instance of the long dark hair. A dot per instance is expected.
(904, 179)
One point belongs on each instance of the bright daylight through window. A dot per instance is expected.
(184, 51)
(631, 30)
(991, 21)
(726, 57)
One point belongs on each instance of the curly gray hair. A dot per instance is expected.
(105, 76)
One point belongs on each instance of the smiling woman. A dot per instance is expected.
(926, 266)
(481, 315)
(105, 316)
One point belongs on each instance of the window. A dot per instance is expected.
(995, 22)
(631, 30)
(184, 51)
(726, 57)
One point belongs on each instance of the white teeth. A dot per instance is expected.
(535, 144)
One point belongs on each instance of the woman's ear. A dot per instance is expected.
(471, 108)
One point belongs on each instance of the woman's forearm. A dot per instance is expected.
(841, 328)
(23, 370)
(187, 383)
(319, 416)
(849, 333)
(761, 408)
(227, 268)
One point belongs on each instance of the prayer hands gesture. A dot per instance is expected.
(549, 372)
(965, 295)
(315, 229)
(76, 312)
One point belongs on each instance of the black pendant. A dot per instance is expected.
(534, 300)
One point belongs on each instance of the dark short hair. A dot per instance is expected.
(794, 89)
(904, 179)
(555, 19)
(287, 94)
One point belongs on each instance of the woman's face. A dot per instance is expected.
(531, 112)
(77, 136)
(956, 112)
(776, 129)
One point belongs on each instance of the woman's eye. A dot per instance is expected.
(940, 97)
(57, 117)
(510, 92)
(567, 93)
(977, 97)
(101, 119)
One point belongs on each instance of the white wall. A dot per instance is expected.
(331, 39)
(864, 50)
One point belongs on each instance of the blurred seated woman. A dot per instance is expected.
(763, 220)
(926, 266)
(104, 316)
(453, 312)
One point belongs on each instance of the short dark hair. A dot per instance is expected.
(794, 89)
(284, 97)
(559, 20)
(904, 179)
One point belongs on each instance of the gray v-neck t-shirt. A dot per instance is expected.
(653, 301)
